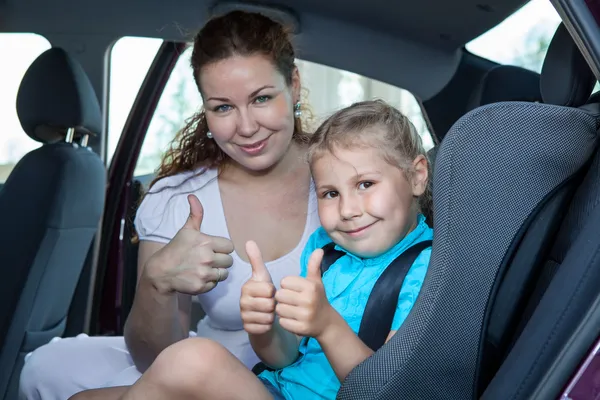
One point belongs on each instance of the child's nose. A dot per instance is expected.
(350, 207)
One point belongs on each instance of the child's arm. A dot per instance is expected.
(304, 309)
(277, 348)
(343, 347)
(307, 312)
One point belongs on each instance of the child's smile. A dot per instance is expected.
(359, 231)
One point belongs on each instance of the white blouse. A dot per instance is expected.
(165, 210)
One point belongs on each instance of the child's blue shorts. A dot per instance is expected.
(272, 389)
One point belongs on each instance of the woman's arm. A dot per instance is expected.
(157, 319)
(190, 264)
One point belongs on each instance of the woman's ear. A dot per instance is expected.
(296, 85)
(420, 175)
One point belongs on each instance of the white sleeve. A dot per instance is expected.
(163, 211)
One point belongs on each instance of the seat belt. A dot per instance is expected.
(381, 306)
(378, 316)
(330, 255)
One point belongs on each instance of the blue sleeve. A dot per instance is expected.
(313, 243)
(411, 287)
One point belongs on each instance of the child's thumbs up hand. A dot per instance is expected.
(259, 269)
(257, 303)
(313, 272)
(302, 306)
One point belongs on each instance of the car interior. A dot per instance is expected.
(509, 308)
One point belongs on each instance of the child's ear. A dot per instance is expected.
(420, 175)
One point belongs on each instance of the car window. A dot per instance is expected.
(23, 48)
(522, 39)
(130, 60)
(328, 90)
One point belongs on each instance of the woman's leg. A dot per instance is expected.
(197, 369)
(113, 393)
(64, 367)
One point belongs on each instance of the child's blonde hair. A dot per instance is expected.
(374, 124)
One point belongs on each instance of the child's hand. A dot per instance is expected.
(302, 306)
(257, 303)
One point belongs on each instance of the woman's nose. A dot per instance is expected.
(247, 125)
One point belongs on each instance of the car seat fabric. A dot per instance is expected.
(566, 290)
(501, 83)
(483, 198)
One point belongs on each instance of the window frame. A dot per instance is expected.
(106, 297)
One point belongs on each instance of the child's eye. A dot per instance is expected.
(330, 195)
(262, 99)
(222, 108)
(365, 185)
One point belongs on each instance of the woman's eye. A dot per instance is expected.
(222, 108)
(365, 185)
(330, 195)
(262, 99)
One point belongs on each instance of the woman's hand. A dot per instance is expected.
(192, 262)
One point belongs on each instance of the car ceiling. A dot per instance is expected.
(414, 45)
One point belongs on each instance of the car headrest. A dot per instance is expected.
(55, 95)
(594, 98)
(506, 83)
(566, 78)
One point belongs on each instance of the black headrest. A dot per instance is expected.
(506, 83)
(566, 78)
(594, 98)
(56, 94)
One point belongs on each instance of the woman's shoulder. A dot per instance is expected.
(182, 182)
(164, 208)
(172, 187)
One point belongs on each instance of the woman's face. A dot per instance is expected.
(250, 109)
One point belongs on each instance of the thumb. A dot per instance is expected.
(313, 272)
(194, 220)
(259, 270)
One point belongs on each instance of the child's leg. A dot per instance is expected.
(197, 368)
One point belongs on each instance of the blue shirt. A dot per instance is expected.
(348, 283)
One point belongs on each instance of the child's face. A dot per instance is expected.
(365, 204)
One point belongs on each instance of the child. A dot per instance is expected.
(369, 169)
(371, 179)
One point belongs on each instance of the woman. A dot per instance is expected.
(235, 172)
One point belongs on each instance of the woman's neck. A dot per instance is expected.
(291, 166)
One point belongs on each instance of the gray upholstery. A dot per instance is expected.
(487, 193)
(502, 83)
(568, 286)
(50, 208)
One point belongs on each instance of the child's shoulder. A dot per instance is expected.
(318, 239)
